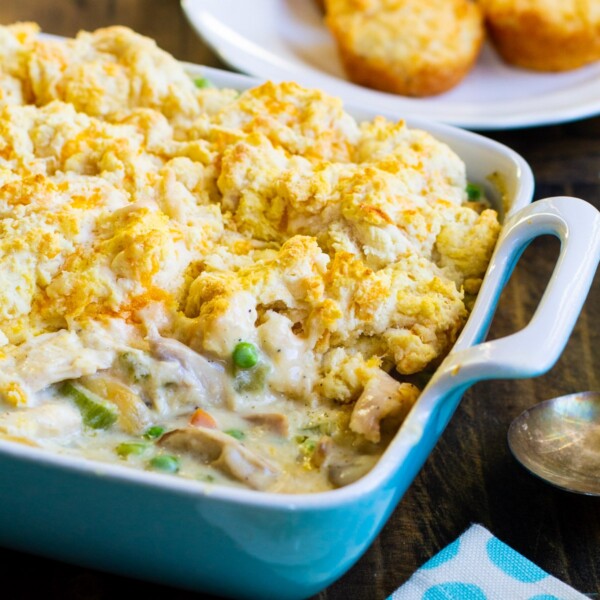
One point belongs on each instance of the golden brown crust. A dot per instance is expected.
(408, 47)
(380, 75)
(541, 36)
(338, 246)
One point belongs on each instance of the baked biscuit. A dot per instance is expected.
(408, 47)
(545, 35)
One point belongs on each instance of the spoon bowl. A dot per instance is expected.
(559, 441)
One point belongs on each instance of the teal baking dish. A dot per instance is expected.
(248, 544)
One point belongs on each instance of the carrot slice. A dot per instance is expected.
(200, 418)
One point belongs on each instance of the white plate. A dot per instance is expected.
(286, 39)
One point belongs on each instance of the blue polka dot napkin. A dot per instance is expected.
(478, 566)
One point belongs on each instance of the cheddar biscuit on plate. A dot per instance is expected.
(545, 35)
(408, 47)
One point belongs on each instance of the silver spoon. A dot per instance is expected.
(559, 441)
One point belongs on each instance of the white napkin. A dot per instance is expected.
(478, 566)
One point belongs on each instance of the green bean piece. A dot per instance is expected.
(96, 412)
(126, 449)
(251, 380)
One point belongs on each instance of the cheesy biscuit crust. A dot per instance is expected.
(150, 227)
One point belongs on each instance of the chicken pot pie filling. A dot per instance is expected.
(240, 288)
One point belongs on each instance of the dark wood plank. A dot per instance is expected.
(471, 476)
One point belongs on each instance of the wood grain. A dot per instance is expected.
(470, 477)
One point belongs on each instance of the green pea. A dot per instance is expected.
(245, 355)
(165, 463)
(202, 83)
(238, 434)
(130, 448)
(154, 432)
(474, 191)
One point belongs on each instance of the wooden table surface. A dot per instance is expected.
(471, 476)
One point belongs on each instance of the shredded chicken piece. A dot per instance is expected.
(275, 422)
(322, 452)
(223, 452)
(345, 472)
(210, 378)
(48, 359)
(382, 397)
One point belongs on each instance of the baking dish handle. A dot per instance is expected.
(534, 349)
